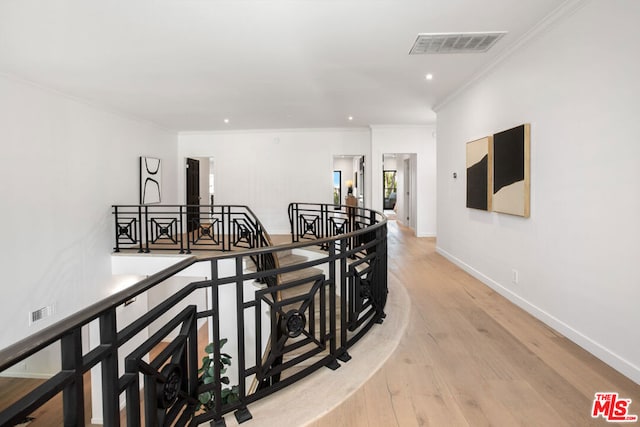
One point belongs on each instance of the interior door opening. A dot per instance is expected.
(398, 187)
(348, 178)
(193, 194)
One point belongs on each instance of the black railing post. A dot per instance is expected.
(110, 389)
(332, 298)
(294, 223)
(193, 355)
(223, 219)
(140, 228)
(343, 294)
(147, 227)
(324, 218)
(73, 394)
(117, 229)
(181, 232)
(215, 307)
(381, 253)
(133, 400)
(240, 327)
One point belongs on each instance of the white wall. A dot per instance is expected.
(63, 164)
(408, 139)
(577, 255)
(267, 170)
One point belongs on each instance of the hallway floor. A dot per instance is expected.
(469, 357)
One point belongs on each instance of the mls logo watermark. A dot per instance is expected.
(612, 408)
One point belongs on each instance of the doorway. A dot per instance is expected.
(193, 194)
(398, 187)
(350, 179)
(389, 189)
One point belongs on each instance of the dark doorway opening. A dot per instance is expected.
(193, 194)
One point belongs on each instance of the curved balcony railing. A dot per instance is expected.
(186, 228)
(279, 326)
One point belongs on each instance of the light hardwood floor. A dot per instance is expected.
(470, 357)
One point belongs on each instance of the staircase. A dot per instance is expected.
(302, 298)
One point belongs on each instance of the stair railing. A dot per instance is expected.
(148, 368)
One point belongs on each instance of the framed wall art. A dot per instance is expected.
(150, 180)
(479, 179)
(511, 171)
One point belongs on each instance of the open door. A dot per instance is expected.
(407, 191)
(193, 193)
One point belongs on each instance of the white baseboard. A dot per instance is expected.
(598, 350)
(426, 235)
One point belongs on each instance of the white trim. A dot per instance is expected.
(28, 375)
(273, 130)
(407, 126)
(604, 354)
(562, 11)
(427, 234)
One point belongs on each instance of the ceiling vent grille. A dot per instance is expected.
(455, 42)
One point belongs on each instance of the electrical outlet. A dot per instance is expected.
(514, 276)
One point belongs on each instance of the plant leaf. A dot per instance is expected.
(223, 341)
(224, 380)
(205, 397)
(209, 348)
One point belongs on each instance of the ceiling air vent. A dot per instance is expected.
(455, 42)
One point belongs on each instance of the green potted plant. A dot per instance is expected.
(206, 376)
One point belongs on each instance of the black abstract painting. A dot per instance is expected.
(478, 174)
(511, 171)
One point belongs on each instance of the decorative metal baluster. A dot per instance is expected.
(147, 228)
(215, 307)
(182, 231)
(110, 389)
(243, 413)
(117, 229)
(140, 228)
(73, 394)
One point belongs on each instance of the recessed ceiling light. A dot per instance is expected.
(350, 118)
(226, 120)
(429, 76)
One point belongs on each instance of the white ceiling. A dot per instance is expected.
(189, 64)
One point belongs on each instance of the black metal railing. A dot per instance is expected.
(278, 332)
(186, 228)
(310, 221)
